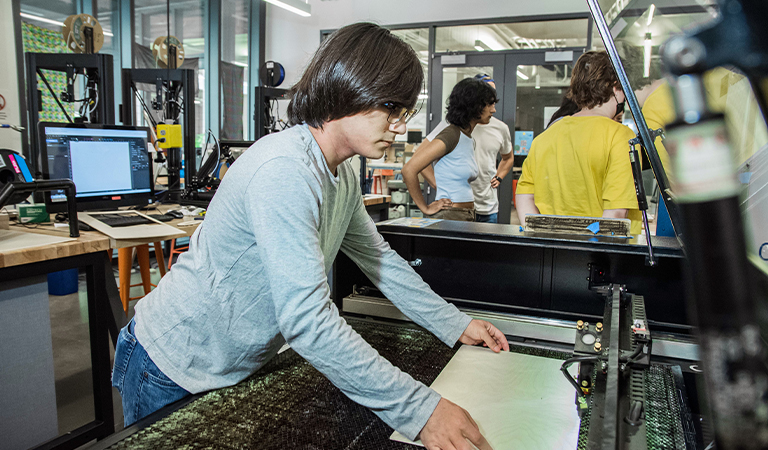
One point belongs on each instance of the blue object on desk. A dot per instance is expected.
(63, 282)
(594, 227)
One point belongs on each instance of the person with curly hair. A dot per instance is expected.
(451, 147)
(579, 166)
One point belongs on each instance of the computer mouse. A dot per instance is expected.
(175, 214)
(82, 226)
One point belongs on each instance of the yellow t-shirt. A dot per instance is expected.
(659, 111)
(580, 166)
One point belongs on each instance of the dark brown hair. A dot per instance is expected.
(358, 68)
(593, 80)
(467, 100)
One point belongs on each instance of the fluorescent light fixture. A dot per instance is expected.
(487, 40)
(647, 47)
(480, 46)
(295, 6)
(522, 75)
(41, 19)
(423, 96)
(650, 14)
(108, 33)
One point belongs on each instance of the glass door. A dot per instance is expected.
(530, 85)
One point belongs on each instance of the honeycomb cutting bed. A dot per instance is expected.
(288, 404)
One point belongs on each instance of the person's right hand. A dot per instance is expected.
(437, 205)
(449, 427)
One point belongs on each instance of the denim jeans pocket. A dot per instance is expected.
(125, 345)
(156, 376)
(157, 390)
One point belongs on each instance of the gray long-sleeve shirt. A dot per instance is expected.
(255, 277)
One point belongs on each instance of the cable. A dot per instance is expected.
(143, 105)
(568, 362)
(635, 355)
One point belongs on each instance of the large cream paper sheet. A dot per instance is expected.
(520, 402)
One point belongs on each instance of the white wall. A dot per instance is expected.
(292, 39)
(9, 83)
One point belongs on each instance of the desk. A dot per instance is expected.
(377, 205)
(21, 275)
(125, 253)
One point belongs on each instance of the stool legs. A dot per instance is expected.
(142, 254)
(124, 260)
(160, 257)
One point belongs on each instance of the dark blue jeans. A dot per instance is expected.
(491, 218)
(143, 386)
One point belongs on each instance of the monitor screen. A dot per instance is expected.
(110, 165)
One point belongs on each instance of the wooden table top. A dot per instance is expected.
(374, 199)
(88, 242)
(161, 209)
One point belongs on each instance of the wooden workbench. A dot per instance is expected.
(88, 242)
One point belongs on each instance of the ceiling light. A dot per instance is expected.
(647, 47)
(650, 14)
(423, 96)
(41, 19)
(295, 6)
(522, 75)
(480, 46)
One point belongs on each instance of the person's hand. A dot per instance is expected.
(449, 427)
(495, 182)
(480, 331)
(437, 205)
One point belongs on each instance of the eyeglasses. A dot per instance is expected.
(399, 113)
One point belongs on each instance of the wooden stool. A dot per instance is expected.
(124, 263)
(175, 251)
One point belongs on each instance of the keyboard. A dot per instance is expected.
(126, 220)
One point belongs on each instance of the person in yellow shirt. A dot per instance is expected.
(658, 108)
(579, 166)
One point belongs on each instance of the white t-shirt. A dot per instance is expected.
(490, 140)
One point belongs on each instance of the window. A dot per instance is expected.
(234, 70)
(418, 39)
(512, 36)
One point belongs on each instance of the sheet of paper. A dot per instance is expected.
(518, 401)
(20, 240)
(413, 222)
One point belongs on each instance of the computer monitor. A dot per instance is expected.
(109, 164)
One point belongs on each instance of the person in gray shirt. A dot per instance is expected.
(254, 277)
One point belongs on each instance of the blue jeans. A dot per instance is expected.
(144, 388)
(490, 218)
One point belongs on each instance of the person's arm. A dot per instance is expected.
(525, 205)
(429, 172)
(428, 152)
(283, 209)
(504, 167)
(412, 296)
(429, 175)
(615, 213)
(524, 195)
(619, 193)
(507, 158)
